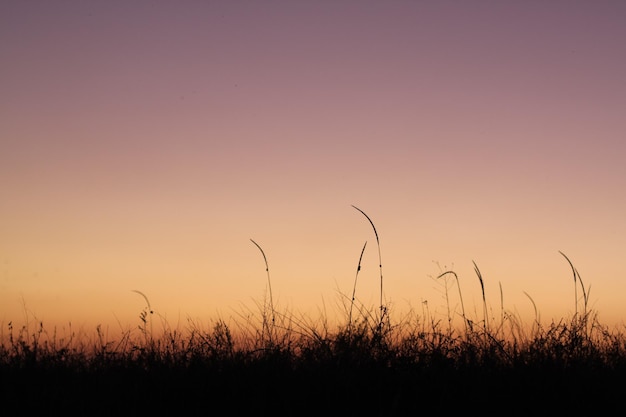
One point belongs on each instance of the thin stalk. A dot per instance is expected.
(577, 278)
(460, 297)
(380, 263)
(269, 285)
(358, 268)
(501, 306)
(584, 319)
(536, 313)
(150, 311)
(482, 288)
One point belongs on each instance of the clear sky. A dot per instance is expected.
(144, 143)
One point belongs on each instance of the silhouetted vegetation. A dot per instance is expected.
(367, 366)
(278, 364)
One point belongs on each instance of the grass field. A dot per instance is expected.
(269, 362)
(272, 363)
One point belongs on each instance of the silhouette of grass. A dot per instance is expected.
(383, 309)
(312, 366)
(356, 276)
(465, 322)
(354, 367)
(268, 329)
(146, 316)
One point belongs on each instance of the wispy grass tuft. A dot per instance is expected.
(320, 364)
(353, 367)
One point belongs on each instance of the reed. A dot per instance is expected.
(146, 318)
(536, 323)
(356, 276)
(380, 266)
(313, 363)
(456, 277)
(270, 328)
(577, 279)
(347, 367)
(482, 289)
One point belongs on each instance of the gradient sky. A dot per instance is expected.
(144, 143)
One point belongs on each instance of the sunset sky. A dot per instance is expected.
(144, 143)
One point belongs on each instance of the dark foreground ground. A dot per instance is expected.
(276, 388)
(568, 368)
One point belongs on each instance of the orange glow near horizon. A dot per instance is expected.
(142, 148)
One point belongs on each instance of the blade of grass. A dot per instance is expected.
(269, 284)
(380, 262)
(460, 297)
(582, 286)
(482, 288)
(143, 315)
(536, 313)
(358, 268)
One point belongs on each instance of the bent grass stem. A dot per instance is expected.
(269, 285)
(380, 264)
(356, 276)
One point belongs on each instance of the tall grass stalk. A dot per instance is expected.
(501, 306)
(536, 323)
(380, 265)
(446, 293)
(577, 280)
(269, 286)
(482, 289)
(456, 277)
(584, 319)
(356, 276)
(146, 316)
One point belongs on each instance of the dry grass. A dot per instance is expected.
(267, 361)
(355, 368)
